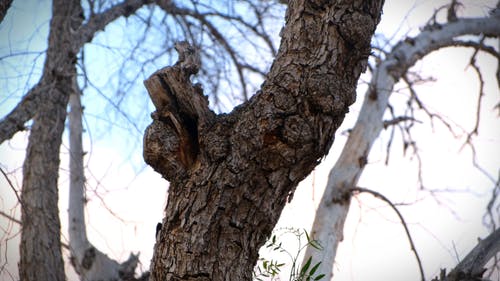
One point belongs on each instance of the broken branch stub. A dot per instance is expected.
(171, 144)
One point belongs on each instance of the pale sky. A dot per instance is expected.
(444, 226)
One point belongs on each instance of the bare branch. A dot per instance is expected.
(479, 99)
(99, 21)
(2, 213)
(23, 112)
(420, 105)
(403, 222)
(472, 266)
(398, 120)
(498, 68)
(490, 207)
(479, 46)
(217, 36)
(11, 186)
(451, 15)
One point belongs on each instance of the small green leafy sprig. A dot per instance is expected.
(271, 269)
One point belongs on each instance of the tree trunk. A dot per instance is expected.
(231, 175)
(88, 261)
(329, 219)
(78, 242)
(40, 248)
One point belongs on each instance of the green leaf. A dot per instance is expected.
(315, 244)
(306, 266)
(307, 236)
(315, 267)
(319, 277)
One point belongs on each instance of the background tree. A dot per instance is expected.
(390, 67)
(71, 28)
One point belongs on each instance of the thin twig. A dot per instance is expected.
(403, 222)
(2, 213)
(391, 137)
(11, 186)
(399, 119)
(64, 245)
(473, 64)
(490, 210)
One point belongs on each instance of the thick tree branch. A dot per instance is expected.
(99, 21)
(472, 266)
(15, 121)
(477, 258)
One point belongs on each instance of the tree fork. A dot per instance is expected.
(231, 174)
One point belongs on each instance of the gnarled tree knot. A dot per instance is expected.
(171, 143)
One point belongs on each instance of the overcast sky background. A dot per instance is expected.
(126, 198)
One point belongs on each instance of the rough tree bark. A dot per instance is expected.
(40, 247)
(231, 174)
(331, 213)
